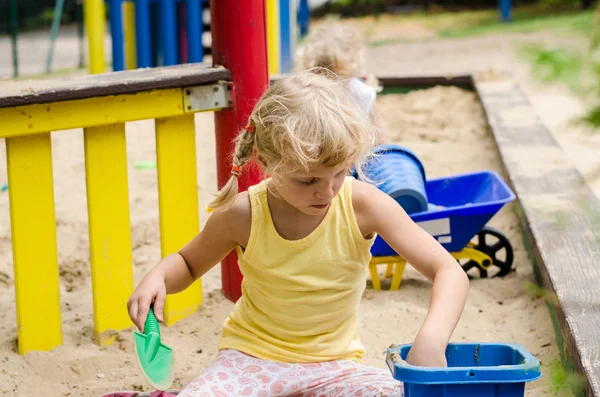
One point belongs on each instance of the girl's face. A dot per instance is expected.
(311, 192)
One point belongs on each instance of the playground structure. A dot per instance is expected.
(144, 31)
(171, 95)
(151, 33)
(102, 105)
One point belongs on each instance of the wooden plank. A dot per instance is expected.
(91, 112)
(561, 217)
(26, 92)
(33, 225)
(425, 81)
(414, 81)
(178, 202)
(129, 34)
(273, 36)
(109, 229)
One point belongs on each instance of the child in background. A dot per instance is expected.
(340, 49)
(303, 238)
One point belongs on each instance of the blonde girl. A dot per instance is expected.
(303, 239)
(340, 49)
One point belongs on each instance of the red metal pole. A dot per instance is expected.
(182, 32)
(239, 43)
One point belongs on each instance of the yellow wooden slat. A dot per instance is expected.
(273, 37)
(178, 202)
(93, 12)
(129, 34)
(91, 112)
(33, 226)
(109, 229)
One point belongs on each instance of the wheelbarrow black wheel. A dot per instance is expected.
(496, 245)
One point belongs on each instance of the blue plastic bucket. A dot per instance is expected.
(398, 172)
(474, 370)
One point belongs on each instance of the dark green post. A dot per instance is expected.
(13, 33)
(80, 31)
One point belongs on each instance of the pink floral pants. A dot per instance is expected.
(234, 374)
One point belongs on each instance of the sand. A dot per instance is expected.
(444, 126)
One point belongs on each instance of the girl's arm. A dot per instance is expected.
(224, 229)
(376, 212)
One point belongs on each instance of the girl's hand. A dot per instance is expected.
(224, 229)
(425, 353)
(152, 290)
(377, 212)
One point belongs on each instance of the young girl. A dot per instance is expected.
(340, 49)
(303, 238)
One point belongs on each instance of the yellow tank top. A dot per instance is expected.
(300, 298)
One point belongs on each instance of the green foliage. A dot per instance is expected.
(593, 117)
(541, 293)
(525, 20)
(562, 19)
(350, 8)
(579, 69)
(556, 65)
(565, 382)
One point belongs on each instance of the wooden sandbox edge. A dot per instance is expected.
(560, 216)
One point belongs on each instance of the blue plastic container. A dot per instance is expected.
(459, 207)
(399, 173)
(474, 370)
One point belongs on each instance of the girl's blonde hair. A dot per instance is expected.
(335, 47)
(300, 122)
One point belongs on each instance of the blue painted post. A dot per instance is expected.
(304, 17)
(285, 32)
(143, 34)
(193, 9)
(116, 32)
(168, 32)
(505, 10)
(155, 33)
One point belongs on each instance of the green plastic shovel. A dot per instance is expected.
(155, 359)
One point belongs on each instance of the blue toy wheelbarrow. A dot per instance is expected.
(454, 210)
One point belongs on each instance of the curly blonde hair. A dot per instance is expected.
(300, 122)
(333, 46)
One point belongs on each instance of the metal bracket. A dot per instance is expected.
(209, 97)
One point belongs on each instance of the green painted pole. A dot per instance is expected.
(80, 32)
(13, 33)
(58, 11)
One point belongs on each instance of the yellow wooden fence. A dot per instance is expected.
(101, 104)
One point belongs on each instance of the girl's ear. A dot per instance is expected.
(260, 160)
